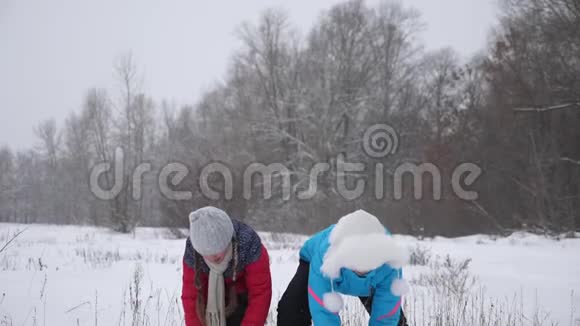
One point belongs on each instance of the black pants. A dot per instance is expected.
(236, 318)
(293, 306)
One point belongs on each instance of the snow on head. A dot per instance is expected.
(359, 242)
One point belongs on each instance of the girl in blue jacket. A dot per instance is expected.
(356, 257)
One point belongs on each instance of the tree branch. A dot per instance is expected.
(12, 239)
(567, 159)
(549, 108)
(479, 209)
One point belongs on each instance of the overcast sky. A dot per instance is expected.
(51, 52)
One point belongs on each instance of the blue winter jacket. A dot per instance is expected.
(385, 308)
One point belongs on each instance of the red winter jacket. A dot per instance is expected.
(252, 277)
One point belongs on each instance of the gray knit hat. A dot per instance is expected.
(210, 230)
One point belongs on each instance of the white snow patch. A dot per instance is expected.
(69, 275)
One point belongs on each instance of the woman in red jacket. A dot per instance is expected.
(226, 272)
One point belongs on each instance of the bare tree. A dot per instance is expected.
(133, 128)
(533, 72)
(99, 119)
(7, 185)
(76, 163)
(51, 173)
(47, 132)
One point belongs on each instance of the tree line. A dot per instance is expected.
(513, 109)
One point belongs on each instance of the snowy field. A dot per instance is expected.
(67, 275)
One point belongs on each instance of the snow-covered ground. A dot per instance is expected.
(70, 275)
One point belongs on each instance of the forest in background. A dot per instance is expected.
(513, 109)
